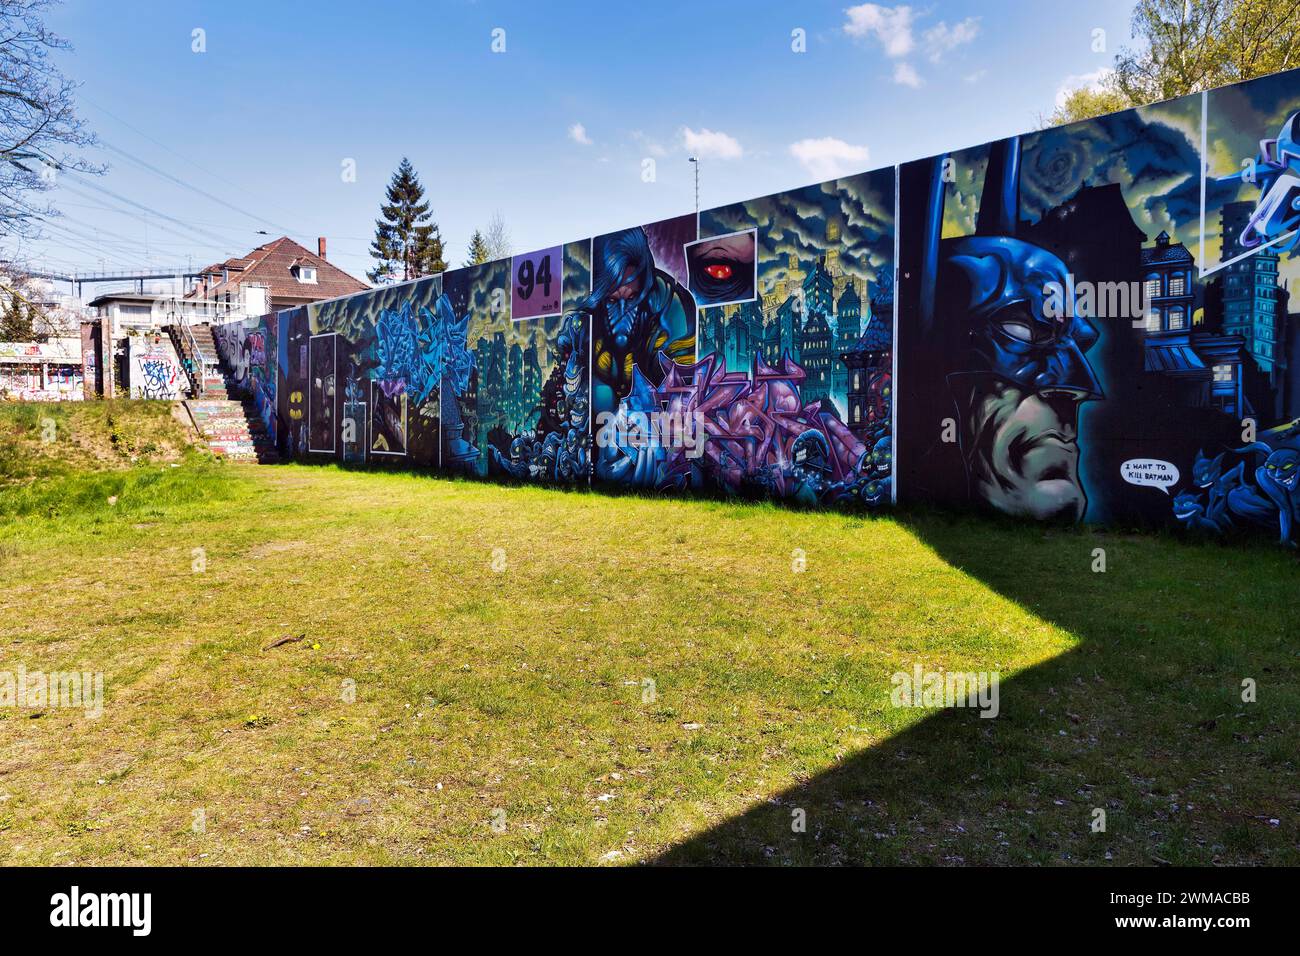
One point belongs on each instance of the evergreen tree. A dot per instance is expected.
(17, 321)
(478, 250)
(407, 241)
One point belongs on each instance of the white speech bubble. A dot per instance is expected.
(1150, 473)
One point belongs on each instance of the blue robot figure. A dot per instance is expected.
(1276, 173)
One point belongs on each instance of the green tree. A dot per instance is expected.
(407, 243)
(1087, 102)
(478, 250)
(1187, 46)
(18, 320)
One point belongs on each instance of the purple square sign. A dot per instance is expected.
(536, 280)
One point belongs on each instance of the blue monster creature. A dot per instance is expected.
(878, 467)
(1212, 512)
(1276, 497)
(1276, 172)
(810, 468)
(870, 482)
(1190, 510)
(638, 312)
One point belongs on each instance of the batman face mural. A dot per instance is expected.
(995, 352)
(1022, 374)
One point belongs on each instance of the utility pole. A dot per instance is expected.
(696, 161)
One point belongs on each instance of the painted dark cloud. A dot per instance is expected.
(1152, 153)
(794, 223)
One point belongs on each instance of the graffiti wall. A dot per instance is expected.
(1089, 323)
(250, 353)
(92, 383)
(42, 371)
(155, 371)
(796, 326)
(1094, 320)
(41, 383)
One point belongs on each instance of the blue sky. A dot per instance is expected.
(553, 132)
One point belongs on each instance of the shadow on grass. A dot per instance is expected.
(1144, 719)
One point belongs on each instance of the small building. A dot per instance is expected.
(869, 362)
(41, 371)
(1208, 367)
(817, 353)
(1252, 303)
(1167, 285)
(285, 273)
(147, 312)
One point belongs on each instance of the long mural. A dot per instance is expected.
(1088, 323)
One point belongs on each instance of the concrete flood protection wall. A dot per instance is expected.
(1087, 323)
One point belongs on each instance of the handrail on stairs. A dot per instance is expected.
(198, 365)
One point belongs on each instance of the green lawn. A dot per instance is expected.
(473, 684)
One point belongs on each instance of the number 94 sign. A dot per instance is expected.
(536, 284)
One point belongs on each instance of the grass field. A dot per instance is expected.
(501, 675)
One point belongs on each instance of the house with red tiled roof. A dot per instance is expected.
(281, 273)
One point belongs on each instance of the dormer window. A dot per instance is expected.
(304, 273)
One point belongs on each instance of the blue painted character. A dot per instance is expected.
(1212, 513)
(1276, 497)
(637, 312)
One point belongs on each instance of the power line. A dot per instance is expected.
(243, 230)
(66, 229)
(180, 156)
(192, 229)
(205, 240)
(260, 220)
(210, 237)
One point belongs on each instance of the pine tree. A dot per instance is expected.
(407, 241)
(478, 250)
(17, 322)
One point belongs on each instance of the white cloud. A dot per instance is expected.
(828, 157)
(976, 76)
(708, 144)
(649, 144)
(892, 26)
(1091, 81)
(941, 38)
(578, 133)
(905, 75)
